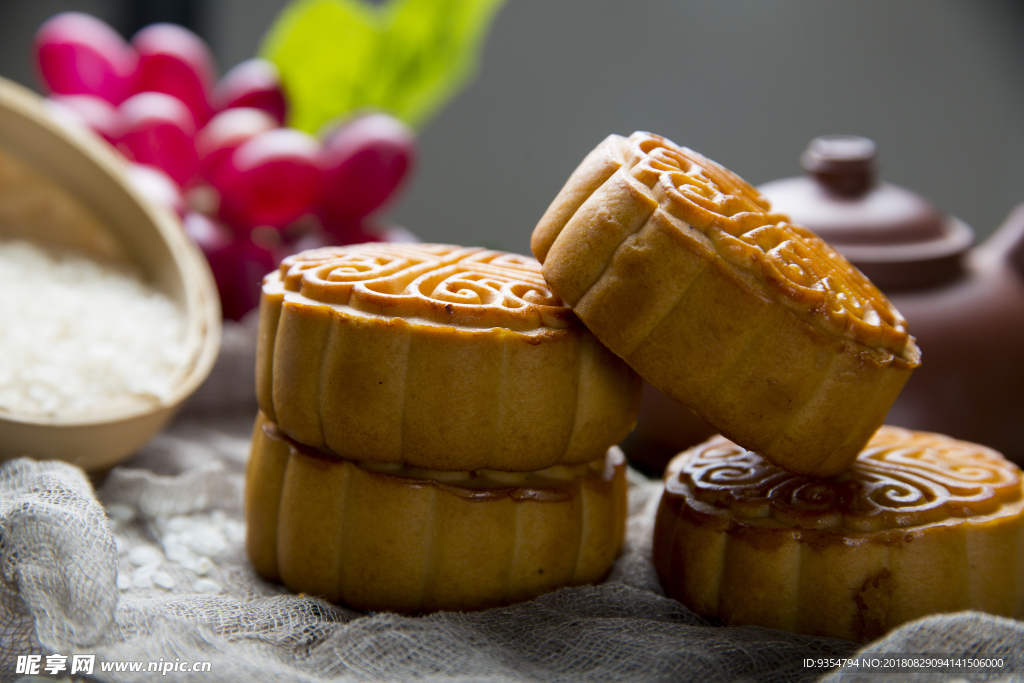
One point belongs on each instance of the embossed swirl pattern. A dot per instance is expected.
(444, 284)
(803, 268)
(901, 479)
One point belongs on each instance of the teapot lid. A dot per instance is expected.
(895, 236)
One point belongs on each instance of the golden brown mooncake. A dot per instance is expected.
(919, 524)
(757, 325)
(438, 356)
(379, 536)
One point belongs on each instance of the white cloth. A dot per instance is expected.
(151, 566)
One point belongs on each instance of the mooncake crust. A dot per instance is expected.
(390, 537)
(681, 268)
(919, 524)
(438, 356)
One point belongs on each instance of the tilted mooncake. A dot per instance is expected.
(436, 356)
(919, 524)
(756, 324)
(390, 537)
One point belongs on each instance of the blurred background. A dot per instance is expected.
(938, 84)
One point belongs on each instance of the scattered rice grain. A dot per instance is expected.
(142, 555)
(207, 586)
(163, 580)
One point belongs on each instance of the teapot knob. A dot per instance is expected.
(845, 164)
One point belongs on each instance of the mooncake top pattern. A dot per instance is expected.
(459, 286)
(901, 479)
(799, 266)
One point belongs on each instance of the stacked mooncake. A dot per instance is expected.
(807, 517)
(437, 430)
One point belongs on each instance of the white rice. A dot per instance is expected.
(77, 335)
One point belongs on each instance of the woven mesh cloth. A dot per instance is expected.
(151, 566)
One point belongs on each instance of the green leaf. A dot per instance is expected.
(408, 57)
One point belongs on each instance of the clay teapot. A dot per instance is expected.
(965, 305)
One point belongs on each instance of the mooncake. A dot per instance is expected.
(382, 536)
(682, 269)
(436, 356)
(920, 523)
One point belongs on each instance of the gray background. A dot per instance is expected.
(939, 85)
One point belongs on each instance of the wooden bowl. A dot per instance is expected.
(62, 186)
